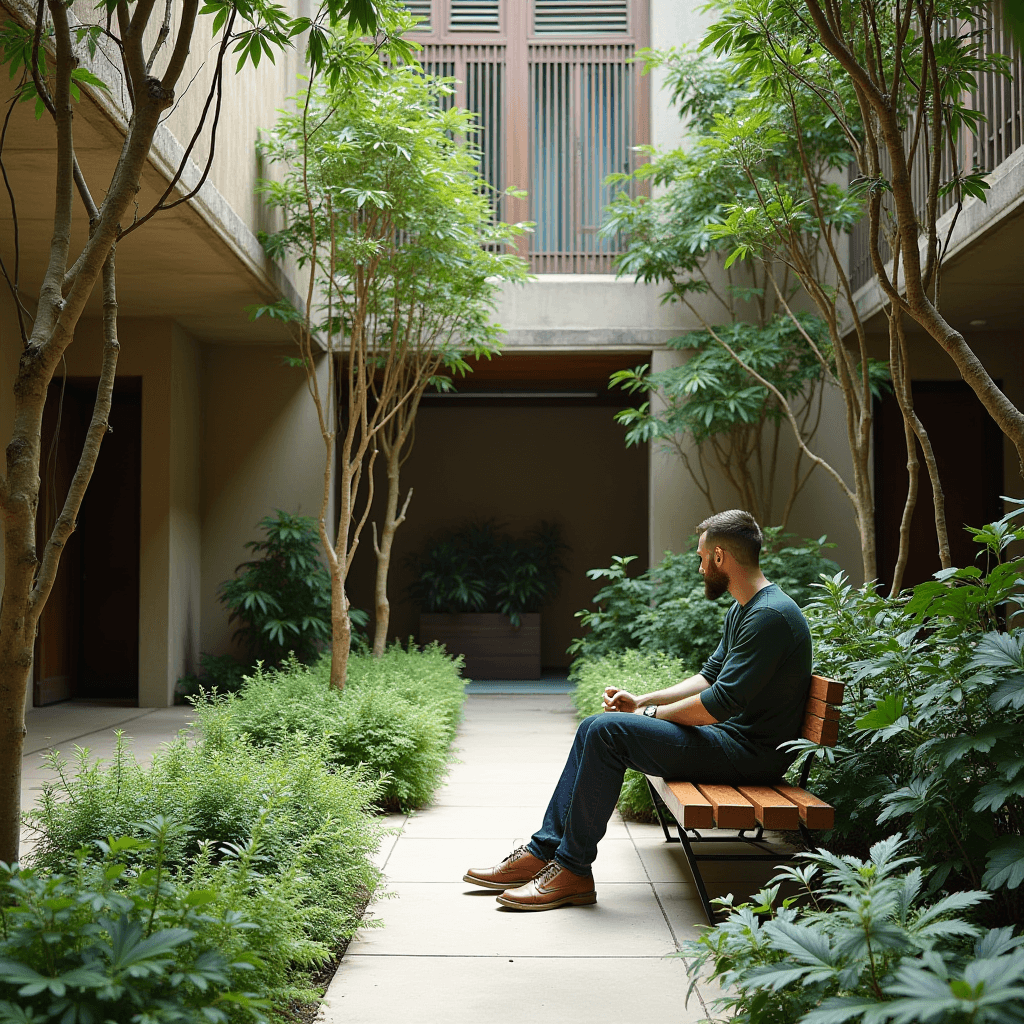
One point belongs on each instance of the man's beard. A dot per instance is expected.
(716, 582)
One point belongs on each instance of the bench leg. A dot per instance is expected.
(656, 800)
(698, 881)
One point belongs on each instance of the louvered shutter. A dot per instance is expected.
(580, 17)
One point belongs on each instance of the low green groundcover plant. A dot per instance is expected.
(396, 716)
(932, 735)
(276, 833)
(664, 608)
(862, 942)
(121, 936)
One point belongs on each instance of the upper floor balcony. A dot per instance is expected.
(1000, 134)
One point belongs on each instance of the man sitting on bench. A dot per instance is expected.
(721, 726)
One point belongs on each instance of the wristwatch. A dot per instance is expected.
(651, 711)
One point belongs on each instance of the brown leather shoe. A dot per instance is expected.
(555, 886)
(518, 867)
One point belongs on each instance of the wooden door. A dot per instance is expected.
(88, 644)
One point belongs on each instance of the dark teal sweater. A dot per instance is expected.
(759, 678)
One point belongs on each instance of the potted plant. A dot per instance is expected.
(480, 592)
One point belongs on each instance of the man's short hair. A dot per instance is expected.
(736, 531)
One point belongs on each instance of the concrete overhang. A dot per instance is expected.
(983, 274)
(598, 312)
(199, 264)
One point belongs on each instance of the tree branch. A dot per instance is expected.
(179, 54)
(98, 427)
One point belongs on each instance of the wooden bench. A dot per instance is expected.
(775, 807)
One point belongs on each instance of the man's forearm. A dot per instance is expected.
(688, 711)
(673, 694)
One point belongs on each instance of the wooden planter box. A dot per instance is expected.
(493, 649)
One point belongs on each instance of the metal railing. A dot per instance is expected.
(1001, 101)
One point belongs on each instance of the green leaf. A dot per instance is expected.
(887, 712)
(1005, 864)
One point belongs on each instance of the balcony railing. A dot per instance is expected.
(1001, 99)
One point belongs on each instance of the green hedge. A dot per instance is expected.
(267, 815)
(304, 829)
(397, 716)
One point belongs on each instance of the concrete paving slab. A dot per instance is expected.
(501, 774)
(395, 822)
(446, 860)
(482, 794)
(69, 722)
(683, 909)
(458, 920)
(486, 823)
(508, 990)
(449, 952)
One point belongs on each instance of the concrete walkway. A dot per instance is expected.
(448, 952)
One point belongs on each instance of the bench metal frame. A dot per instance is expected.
(769, 852)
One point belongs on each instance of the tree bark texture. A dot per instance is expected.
(62, 299)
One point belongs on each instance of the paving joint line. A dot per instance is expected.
(672, 931)
(92, 732)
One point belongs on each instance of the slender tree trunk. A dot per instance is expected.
(913, 477)
(341, 632)
(382, 549)
(899, 363)
(28, 580)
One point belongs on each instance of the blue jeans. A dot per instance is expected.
(588, 789)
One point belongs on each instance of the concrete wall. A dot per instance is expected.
(519, 466)
(262, 451)
(185, 540)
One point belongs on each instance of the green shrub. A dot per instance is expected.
(932, 736)
(119, 938)
(477, 568)
(396, 716)
(282, 599)
(276, 833)
(868, 947)
(638, 672)
(664, 609)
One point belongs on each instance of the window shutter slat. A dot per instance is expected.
(581, 17)
(475, 16)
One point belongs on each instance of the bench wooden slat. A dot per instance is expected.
(818, 707)
(731, 809)
(697, 809)
(814, 813)
(817, 730)
(685, 802)
(827, 690)
(771, 808)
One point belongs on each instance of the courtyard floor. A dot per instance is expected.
(446, 951)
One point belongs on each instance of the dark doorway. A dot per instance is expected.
(969, 452)
(88, 644)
